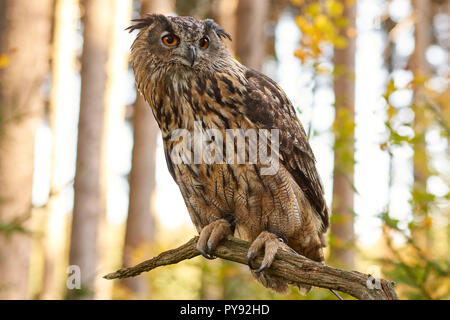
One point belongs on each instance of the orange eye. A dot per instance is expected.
(204, 43)
(170, 40)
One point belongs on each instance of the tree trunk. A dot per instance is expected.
(88, 206)
(62, 104)
(21, 109)
(157, 6)
(117, 69)
(421, 69)
(342, 233)
(250, 35)
(140, 230)
(225, 14)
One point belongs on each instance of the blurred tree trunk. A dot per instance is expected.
(88, 204)
(342, 219)
(157, 6)
(21, 108)
(117, 69)
(62, 104)
(423, 18)
(140, 230)
(250, 36)
(225, 16)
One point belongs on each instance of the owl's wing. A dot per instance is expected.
(267, 106)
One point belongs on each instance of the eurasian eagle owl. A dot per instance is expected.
(192, 82)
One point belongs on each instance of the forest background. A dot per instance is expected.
(83, 180)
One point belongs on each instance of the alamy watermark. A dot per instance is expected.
(74, 279)
(239, 146)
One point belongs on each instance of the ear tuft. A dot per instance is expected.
(145, 22)
(221, 33)
(141, 23)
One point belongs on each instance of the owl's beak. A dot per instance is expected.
(192, 55)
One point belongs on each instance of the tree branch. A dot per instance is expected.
(287, 265)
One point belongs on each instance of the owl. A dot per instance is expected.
(192, 83)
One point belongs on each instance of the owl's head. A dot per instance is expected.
(179, 41)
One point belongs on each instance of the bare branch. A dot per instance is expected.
(287, 265)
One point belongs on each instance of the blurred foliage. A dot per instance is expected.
(343, 130)
(418, 272)
(420, 264)
(4, 61)
(12, 227)
(416, 254)
(322, 22)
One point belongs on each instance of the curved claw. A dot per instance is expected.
(250, 258)
(211, 248)
(262, 267)
(267, 242)
(204, 254)
(211, 235)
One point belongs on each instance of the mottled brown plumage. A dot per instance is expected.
(185, 82)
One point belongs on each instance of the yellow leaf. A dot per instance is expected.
(334, 8)
(321, 22)
(341, 22)
(340, 42)
(301, 22)
(427, 222)
(390, 88)
(4, 61)
(314, 9)
(316, 36)
(297, 2)
(304, 25)
(322, 69)
(316, 50)
(338, 70)
(302, 55)
(391, 112)
(326, 26)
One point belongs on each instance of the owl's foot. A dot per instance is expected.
(211, 235)
(270, 242)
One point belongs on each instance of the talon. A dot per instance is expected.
(210, 236)
(210, 248)
(250, 258)
(262, 267)
(204, 254)
(268, 243)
